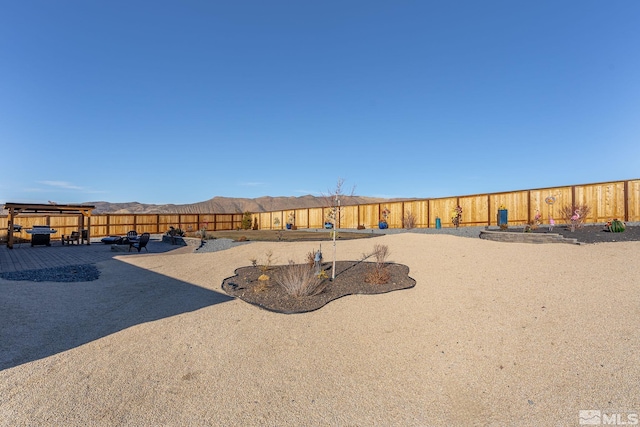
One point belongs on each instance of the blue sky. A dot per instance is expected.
(181, 101)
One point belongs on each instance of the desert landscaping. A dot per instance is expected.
(492, 333)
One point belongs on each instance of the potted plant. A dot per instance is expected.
(503, 217)
(291, 219)
(384, 215)
(328, 222)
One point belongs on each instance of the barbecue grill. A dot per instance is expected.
(41, 235)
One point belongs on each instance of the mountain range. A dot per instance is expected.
(232, 205)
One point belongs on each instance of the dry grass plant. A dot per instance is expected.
(300, 280)
(311, 258)
(268, 262)
(409, 221)
(379, 274)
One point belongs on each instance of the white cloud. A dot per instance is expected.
(61, 184)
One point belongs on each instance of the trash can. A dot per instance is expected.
(502, 217)
(438, 223)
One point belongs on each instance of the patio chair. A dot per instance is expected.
(70, 239)
(131, 237)
(141, 243)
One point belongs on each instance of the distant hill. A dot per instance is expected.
(231, 205)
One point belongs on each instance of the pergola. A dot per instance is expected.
(81, 211)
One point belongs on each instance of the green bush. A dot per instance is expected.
(247, 221)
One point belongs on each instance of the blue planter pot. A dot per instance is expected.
(328, 225)
(288, 226)
(382, 225)
(503, 217)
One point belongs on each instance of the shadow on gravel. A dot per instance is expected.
(40, 319)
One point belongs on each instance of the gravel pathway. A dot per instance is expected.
(216, 245)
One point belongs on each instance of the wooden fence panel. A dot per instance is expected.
(475, 210)
(316, 218)
(147, 223)
(302, 218)
(326, 214)
(169, 220)
(100, 225)
(537, 200)
(443, 209)
(349, 216)
(605, 200)
(277, 221)
(226, 222)
(516, 203)
(394, 219)
(419, 209)
(264, 220)
(633, 200)
(189, 222)
(65, 224)
(369, 215)
(121, 224)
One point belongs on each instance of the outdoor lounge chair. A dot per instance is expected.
(141, 243)
(69, 239)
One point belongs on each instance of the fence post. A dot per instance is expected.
(528, 206)
(626, 201)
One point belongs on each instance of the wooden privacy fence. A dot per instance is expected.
(608, 200)
(118, 224)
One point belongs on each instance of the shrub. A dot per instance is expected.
(266, 265)
(379, 274)
(247, 221)
(409, 220)
(311, 258)
(575, 215)
(299, 280)
(381, 253)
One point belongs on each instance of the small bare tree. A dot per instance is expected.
(332, 201)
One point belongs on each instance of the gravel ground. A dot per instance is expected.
(88, 272)
(215, 245)
(492, 334)
(70, 273)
